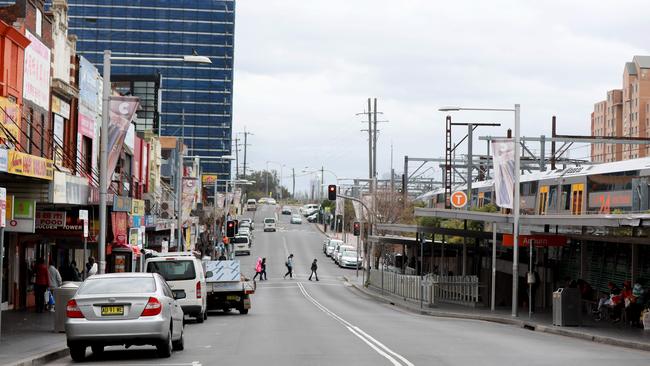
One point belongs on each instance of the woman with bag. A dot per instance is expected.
(258, 269)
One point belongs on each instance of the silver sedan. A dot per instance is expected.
(124, 309)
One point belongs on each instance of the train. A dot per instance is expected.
(607, 188)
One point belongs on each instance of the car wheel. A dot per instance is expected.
(243, 311)
(199, 318)
(164, 348)
(97, 350)
(179, 344)
(77, 352)
(205, 314)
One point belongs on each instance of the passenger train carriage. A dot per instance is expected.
(589, 189)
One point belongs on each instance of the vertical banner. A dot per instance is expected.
(122, 111)
(119, 222)
(57, 143)
(83, 215)
(188, 197)
(503, 157)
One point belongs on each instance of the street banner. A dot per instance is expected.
(36, 75)
(358, 210)
(220, 200)
(122, 111)
(119, 224)
(340, 205)
(83, 215)
(503, 158)
(188, 197)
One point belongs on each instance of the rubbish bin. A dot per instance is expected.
(566, 307)
(61, 296)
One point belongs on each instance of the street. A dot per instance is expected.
(298, 322)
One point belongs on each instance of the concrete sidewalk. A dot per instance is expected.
(28, 338)
(602, 332)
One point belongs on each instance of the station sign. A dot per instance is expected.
(459, 199)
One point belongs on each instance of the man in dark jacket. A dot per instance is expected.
(314, 268)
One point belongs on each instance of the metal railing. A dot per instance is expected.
(462, 290)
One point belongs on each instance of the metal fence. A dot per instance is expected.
(463, 290)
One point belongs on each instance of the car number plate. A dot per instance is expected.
(112, 310)
(232, 297)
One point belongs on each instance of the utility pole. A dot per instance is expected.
(293, 187)
(374, 144)
(179, 192)
(322, 182)
(245, 133)
(236, 159)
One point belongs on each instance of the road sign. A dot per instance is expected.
(459, 199)
(83, 215)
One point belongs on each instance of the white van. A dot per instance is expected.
(251, 205)
(269, 224)
(241, 244)
(183, 273)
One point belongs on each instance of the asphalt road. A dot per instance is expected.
(298, 322)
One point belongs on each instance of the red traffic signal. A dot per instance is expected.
(357, 228)
(331, 192)
(230, 229)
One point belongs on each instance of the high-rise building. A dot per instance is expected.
(196, 99)
(625, 113)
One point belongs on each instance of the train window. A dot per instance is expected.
(552, 198)
(566, 196)
(612, 182)
(529, 189)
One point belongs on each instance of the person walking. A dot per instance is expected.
(289, 264)
(91, 267)
(258, 269)
(314, 268)
(54, 281)
(41, 282)
(263, 270)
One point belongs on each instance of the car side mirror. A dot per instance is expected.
(179, 295)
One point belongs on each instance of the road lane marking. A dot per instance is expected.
(379, 347)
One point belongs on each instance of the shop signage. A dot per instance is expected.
(538, 240)
(209, 179)
(4, 160)
(3, 207)
(136, 220)
(121, 204)
(89, 85)
(20, 215)
(57, 188)
(149, 221)
(50, 220)
(69, 189)
(164, 225)
(137, 207)
(30, 165)
(10, 119)
(134, 233)
(57, 142)
(36, 86)
(60, 107)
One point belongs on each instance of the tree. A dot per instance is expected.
(258, 189)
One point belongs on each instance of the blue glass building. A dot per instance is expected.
(196, 99)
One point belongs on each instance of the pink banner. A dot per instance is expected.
(122, 112)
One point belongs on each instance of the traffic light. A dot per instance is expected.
(230, 229)
(357, 228)
(236, 226)
(331, 192)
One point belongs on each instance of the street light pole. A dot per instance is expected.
(103, 162)
(515, 230)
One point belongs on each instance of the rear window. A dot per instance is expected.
(175, 270)
(117, 285)
(269, 221)
(239, 240)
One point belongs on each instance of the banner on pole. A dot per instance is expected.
(122, 111)
(503, 157)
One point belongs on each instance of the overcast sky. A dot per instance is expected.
(304, 68)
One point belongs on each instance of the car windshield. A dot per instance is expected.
(240, 240)
(173, 270)
(117, 285)
(350, 253)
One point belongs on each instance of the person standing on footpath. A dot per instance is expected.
(41, 282)
(91, 267)
(289, 265)
(54, 281)
(314, 268)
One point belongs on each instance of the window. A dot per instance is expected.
(566, 196)
(174, 270)
(87, 157)
(117, 285)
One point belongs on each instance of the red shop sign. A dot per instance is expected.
(539, 240)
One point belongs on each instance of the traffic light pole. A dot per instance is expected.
(371, 220)
(358, 255)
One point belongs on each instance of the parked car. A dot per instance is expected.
(286, 210)
(183, 273)
(326, 244)
(310, 207)
(313, 218)
(310, 211)
(350, 259)
(331, 245)
(241, 245)
(269, 224)
(296, 219)
(124, 309)
(339, 252)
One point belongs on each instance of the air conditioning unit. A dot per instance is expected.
(167, 210)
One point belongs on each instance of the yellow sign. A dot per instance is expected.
(188, 239)
(137, 207)
(10, 119)
(209, 179)
(30, 165)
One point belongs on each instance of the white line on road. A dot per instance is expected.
(379, 347)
